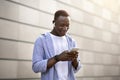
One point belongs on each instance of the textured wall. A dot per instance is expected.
(95, 25)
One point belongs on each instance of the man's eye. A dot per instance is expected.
(64, 25)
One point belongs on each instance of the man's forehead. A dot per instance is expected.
(63, 18)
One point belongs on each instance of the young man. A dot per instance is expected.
(52, 56)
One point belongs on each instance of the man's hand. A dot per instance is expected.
(74, 59)
(67, 56)
(64, 56)
(74, 55)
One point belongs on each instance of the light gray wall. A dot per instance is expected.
(95, 25)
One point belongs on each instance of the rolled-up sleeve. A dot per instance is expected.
(39, 64)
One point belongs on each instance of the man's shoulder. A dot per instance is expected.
(42, 36)
(69, 37)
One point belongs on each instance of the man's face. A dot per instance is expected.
(61, 25)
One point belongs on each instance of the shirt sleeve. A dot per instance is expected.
(38, 63)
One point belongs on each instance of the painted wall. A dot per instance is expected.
(95, 25)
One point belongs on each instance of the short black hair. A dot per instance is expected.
(60, 13)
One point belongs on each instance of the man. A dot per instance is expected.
(52, 56)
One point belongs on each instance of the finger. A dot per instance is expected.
(76, 56)
(66, 51)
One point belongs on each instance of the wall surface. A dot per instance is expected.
(95, 25)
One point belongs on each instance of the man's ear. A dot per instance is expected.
(53, 21)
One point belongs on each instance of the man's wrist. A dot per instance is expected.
(75, 63)
(56, 58)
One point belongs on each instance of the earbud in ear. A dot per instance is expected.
(53, 21)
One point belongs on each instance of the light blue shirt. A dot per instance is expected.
(43, 50)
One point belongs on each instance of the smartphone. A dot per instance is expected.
(75, 49)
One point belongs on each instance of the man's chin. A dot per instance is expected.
(62, 34)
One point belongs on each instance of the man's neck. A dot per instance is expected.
(54, 32)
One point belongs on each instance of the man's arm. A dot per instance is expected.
(51, 62)
(75, 63)
(64, 56)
